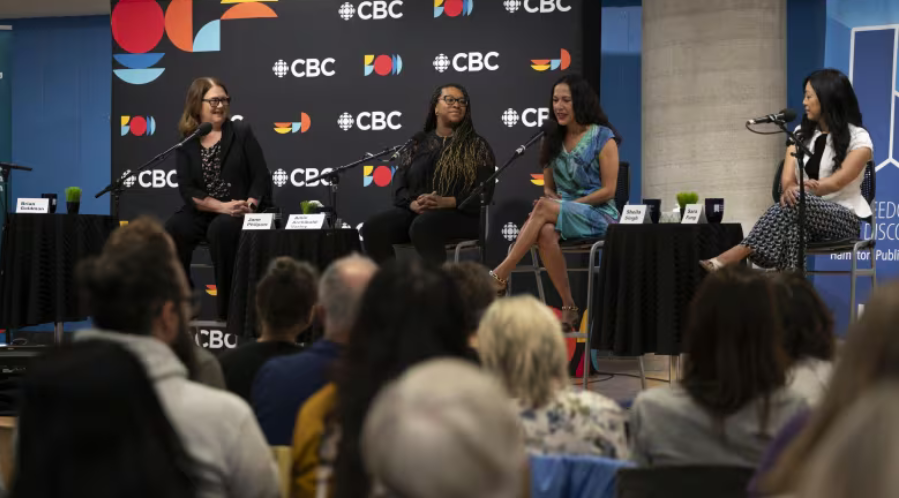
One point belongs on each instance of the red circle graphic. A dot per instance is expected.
(383, 65)
(138, 126)
(138, 26)
(453, 7)
(382, 176)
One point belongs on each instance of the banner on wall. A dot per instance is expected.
(323, 82)
(862, 41)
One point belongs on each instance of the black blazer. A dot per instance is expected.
(243, 167)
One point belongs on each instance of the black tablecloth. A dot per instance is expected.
(37, 274)
(258, 247)
(648, 277)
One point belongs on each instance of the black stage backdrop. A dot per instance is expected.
(322, 82)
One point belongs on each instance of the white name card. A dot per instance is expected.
(694, 214)
(306, 221)
(635, 215)
(258, 221)
(33, 206)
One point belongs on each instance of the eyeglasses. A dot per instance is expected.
(463, 102)
(218, 101)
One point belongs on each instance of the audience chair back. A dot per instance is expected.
(685, 482)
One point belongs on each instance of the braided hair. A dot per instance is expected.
(466, 151)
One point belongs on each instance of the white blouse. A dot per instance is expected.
(850, 195)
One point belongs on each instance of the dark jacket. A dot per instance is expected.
(243, 167)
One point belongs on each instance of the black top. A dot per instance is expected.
(242, 166)
(415, 175)
(241, 365)
(813, 166)
(211, 160)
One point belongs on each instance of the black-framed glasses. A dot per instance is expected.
(218, 101)
(463, 102)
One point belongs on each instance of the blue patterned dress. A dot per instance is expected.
(576, 174)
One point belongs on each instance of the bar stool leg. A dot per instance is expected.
(642, 373)
(58, 333)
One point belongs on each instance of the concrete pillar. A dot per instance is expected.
(708, 66)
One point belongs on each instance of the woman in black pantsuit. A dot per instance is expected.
(435, 175)
(221, 177)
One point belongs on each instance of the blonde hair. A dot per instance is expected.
(857, 456)
(521, 341)
(444, 430)
(870, 355)
(193, 103)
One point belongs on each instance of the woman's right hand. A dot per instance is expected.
(416, 207)
(790, 196)
(550, 193)
(235, 208)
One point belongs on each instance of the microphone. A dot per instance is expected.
(784, 116)
(547, 128)
(417, 138)
(201, 131)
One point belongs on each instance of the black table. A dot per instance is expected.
(37, 274)
(258, 247)
(648, 277)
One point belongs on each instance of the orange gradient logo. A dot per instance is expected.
(301, 126)
(562, 63)
(212, 290)
(537, 180)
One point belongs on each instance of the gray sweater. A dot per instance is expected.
(217, 428)
(668, 428)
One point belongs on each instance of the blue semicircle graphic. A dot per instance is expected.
(209, 38)
(151, 125)
(138, 76)
(137, 61)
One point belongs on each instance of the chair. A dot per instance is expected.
(693, 481)
(284, 461)
(853, 245)
(591, 246)
(457, 246)
(573, 476)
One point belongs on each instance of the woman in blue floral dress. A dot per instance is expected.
(580, 172)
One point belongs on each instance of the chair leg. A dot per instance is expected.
(537, 276)
(642, 373)
(853, 313)
(588, 313)
(458, 254)
(873, 268)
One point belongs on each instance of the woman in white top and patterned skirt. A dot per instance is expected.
(832, 129)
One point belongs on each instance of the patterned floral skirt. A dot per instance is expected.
(775, 238)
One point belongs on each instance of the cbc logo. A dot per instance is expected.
(536, 6)
(215, 339)
(532, 118)
(300, 177)
(305, 68)
(471, 62)
(371, 121)
(372, 10)
(152, 178)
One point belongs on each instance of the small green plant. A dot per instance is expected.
(684, 198)
(73, 194)
(309, 207)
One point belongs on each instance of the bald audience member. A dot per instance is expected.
(284, 384)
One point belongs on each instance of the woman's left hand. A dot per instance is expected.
(432, 201)
(812, 185)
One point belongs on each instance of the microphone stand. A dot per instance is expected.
(333, 178)
(799, 154)
(481, 193)
(118, 186)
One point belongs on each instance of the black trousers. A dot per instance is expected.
(188, 228)
(429, 232)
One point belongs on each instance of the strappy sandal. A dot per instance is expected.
(572, 326)
(711, 265)
(500, 285)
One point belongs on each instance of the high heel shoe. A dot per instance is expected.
(572, 325)
(500, 285)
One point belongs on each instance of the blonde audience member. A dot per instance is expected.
(870, 356)
(858, 457)
(520, 341)
(443, 430)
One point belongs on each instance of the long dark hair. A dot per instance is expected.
(587, 111)
(410, 312)
(733, 343)
(839, 109)
(92, 425)
(460, 159)
(807, 322)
